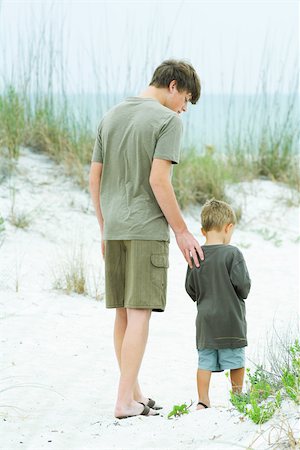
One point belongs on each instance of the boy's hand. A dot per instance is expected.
(189, 247)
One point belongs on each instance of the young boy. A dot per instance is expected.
(219, 286)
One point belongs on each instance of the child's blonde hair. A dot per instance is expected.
(215, 214)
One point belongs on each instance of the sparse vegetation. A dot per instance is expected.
(12, 119)
(72, 272)
(20, 219)
(261, 400)
(70, 275)
(270, 235)
(179, 410)
(268, 386)
(65, 139)
(2, 230)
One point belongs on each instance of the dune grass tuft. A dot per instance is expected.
(200, 177)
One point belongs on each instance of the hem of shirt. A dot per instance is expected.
(225, 345)
(136, 238)
(166, 158)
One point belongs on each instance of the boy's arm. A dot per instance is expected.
(189, 285)
(240, 277)
(160, 182)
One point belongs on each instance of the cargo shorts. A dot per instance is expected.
(136, 274)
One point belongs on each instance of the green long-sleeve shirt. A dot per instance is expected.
(219, 286)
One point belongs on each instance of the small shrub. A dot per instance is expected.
(261, 412)
(291, 378)
(261, 401)
(240, 401)
(267, 389)
(261, 384)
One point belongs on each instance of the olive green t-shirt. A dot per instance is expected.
(129, 137)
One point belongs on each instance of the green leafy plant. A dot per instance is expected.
(261, 400)
(261, 384)
(179, 410)
(266, 389)
(240, 401)
(261, 411)
(291, 378)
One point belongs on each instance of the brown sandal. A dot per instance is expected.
(151, 404)
(145, 412)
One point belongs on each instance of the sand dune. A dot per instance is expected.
(58, 370)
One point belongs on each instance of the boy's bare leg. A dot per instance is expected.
(203, 380)
(132, 351)
(119, 332)
(237, 379)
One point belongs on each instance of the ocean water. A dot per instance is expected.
(216, 121)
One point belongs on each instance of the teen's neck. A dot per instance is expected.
(155, 93)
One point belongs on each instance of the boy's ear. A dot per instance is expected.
(203, 232)
(228, 227)
(172, 85)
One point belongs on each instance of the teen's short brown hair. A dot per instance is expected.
(181, 71)
(215, 214)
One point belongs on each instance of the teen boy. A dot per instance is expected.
(219, 286)
(130, 182)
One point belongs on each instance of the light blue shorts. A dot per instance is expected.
(217, 360)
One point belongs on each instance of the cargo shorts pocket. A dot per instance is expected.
(159, 266)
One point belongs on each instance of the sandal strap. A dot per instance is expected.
(146, 410)
(203, 404)
(151, 403)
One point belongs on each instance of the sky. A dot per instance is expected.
(235, 46)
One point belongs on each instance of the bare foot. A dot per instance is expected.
(142, 400)
(134, 409)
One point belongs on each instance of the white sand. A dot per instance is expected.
(58, 371)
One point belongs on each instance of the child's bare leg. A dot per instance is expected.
(237, 379)
(203, 380)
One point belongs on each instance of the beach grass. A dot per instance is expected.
(70, 275)
(200, 177)
(35, 114)
(202, 173)
(12, 119)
